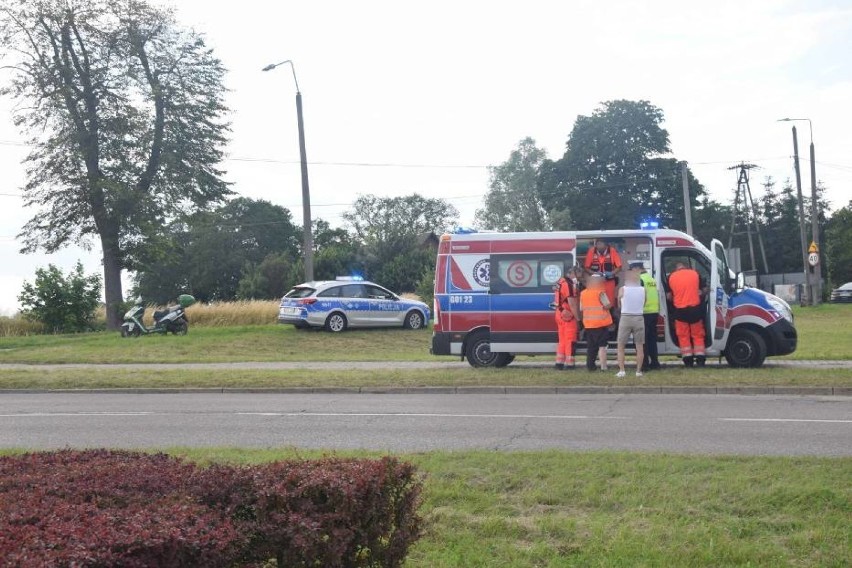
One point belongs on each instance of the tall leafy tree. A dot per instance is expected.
(391, 230)
(513, 202)
(212, 251)
(617, 170)
(124, 110)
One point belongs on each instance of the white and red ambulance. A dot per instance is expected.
(493, 294)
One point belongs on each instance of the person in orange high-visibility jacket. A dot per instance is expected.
(685, 291)
(604, 259)
(567, 313)
(595, 306)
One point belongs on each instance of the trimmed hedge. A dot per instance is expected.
(115, 508)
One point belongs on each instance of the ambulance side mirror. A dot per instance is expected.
(740, 282)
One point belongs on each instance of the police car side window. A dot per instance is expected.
(376, 292)
(330, 293)
(353, 291)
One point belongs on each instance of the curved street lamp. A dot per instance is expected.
(308, 244)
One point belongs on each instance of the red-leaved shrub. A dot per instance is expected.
(114, 508)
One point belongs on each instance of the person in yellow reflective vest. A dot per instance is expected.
(595, 309)
(651, 315)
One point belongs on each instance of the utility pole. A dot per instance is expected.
(809, 294)
(816, 293)
(687, 202)
(750, 214)
(307, 229)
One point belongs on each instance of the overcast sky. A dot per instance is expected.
(429, 94)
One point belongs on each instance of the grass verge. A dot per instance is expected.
(824, 333)
(561, 508)
(463, 375)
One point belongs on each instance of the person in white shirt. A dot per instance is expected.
(631, 298)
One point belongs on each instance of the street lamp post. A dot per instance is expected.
(816, 293)
(308, 244)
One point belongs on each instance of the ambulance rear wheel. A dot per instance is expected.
(504, 359)
(746, 348)
(478, 351)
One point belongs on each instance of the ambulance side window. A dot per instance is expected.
(527, 273)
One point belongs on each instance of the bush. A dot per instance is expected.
(110, 508)
(63, 304)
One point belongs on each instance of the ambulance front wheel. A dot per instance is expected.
(746, 348)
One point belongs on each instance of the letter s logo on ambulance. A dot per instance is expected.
(482, 272)
(519, 274)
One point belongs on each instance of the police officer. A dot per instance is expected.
(685, 294)
(651, 315)
(603, 259)
(567, 314)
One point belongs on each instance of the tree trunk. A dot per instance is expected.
(112, 283)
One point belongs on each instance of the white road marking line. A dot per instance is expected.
(66, 414)
(785, 420)
(433, 415)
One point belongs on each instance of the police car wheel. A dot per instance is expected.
(746, 348)
(413, 320)
(335, 322)
(479, 353)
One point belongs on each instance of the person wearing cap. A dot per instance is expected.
(595, 309)
(631, 298)
(651, 314)
(567, 313)
(603, 259)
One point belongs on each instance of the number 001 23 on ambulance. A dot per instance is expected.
(493, 295)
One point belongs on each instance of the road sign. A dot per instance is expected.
(813, 258)
(813, 248)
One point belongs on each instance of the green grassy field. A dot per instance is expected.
(824, 333)
(560, 508)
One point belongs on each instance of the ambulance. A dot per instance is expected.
(493, 295)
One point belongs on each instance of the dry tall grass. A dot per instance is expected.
(223, 314)
(18, 326)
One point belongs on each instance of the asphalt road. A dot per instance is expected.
(719, 424)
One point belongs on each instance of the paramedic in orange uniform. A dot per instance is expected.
(567, 312)
(604, 259)
(685, 293)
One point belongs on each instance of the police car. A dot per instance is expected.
(349, 302)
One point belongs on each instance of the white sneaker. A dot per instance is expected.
(620, 375)
(639, 374)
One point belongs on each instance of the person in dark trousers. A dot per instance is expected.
(651, 315)
(595, 307)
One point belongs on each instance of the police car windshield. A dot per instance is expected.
(299, 292)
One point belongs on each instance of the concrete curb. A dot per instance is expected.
(468, 390)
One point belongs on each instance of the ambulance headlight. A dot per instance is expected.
(782, 308)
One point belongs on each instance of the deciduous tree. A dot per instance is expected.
(513, 202)
(124, 110)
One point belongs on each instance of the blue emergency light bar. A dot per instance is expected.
(649, 225)
(350, 278)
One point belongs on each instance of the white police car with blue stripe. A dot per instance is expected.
(349, 302)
